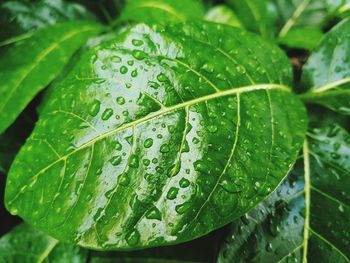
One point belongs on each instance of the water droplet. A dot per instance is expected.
(154, 213)
(123, 70)
(341, 208)
(120, 100)
(335, 155)
(134, 161)
(138, 54)
(95, 108)
(115, 160)
(162, 78)
(146, 162)
(229, 186)
(137, 42)
(124, 179)
(107, 114)
(200, 166)
(183, 207)
(164, 148)
(148, 143)
(336, 146)
(184, 183)
(212, 128)
(116, 59)
(208, 68)
(134, 73)
(172, 194)
(133, 238)
(195, 140)
(118, 146)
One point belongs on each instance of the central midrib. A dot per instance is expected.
(160, 113)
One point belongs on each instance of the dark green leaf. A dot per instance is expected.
(327, 71)
(302, 37)
(276, 18)
(308, 218)
(161, 11)
(19, 17)
(30, 65)
(224, 15)
(158, 137)
(27, 245)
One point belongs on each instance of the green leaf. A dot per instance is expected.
(307, 219)
(20, 17)
(158, 137)
(256, 16)
(161, 11)
(224, 15)
(24, 74)
(26, 244)
(276, 18)
(327, 71)
(302, 37)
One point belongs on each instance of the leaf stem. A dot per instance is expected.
(307, 199)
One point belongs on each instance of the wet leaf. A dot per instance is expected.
(21, 17)
(159, 136)
(308, 217)
(327, 71)
(24, 74)
(26, 245)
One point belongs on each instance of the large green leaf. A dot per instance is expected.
(159, 136)
(327, 71)
(23, 74)
(308, 218)
(20, 17)
(161, 11)
(26, 244)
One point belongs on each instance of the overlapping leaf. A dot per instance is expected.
(20, 17)
(161, 11)
(30, 65)
(26, 245)
(288, 20)
(224, 15)
(158, 137)
(307, 219)
(327, 71)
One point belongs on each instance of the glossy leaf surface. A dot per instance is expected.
(161, 11)
(308, 218)
(19, 17)
(303, 38)
(224, 15)
(158, 137)
(27, 245)
(30, 65)
(256, 16)
(327, 71)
